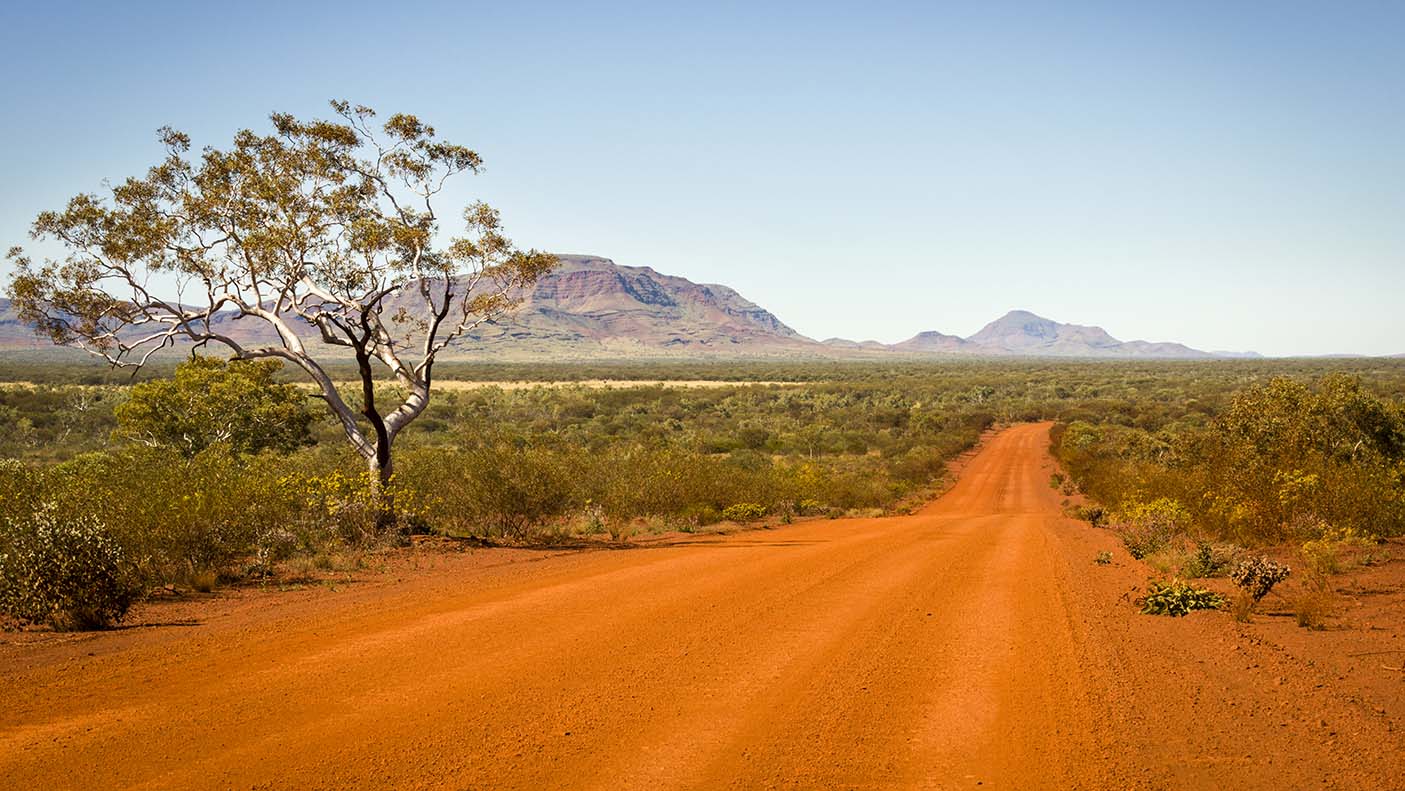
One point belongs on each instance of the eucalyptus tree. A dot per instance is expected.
(324, 234)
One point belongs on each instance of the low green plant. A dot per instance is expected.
(592, 519)
(1104, 558)
(1177, 598)
(1209, 560)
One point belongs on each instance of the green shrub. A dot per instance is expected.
(1210, 560)
(1104, 558)
(1177, 598)
(66, 573)
(744, 512)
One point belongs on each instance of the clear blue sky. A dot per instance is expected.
(1228, 175)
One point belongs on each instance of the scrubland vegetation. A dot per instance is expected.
(1193, 463)
(1310, 466)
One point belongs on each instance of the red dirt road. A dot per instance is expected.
(972, 643)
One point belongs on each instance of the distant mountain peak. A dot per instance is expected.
(1023, 332)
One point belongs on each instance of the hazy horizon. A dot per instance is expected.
(1227, 178)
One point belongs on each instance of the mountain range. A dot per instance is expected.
(592, 308)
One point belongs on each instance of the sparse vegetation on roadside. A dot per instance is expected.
(1286, 460)
(1092, 514)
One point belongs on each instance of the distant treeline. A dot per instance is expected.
(75, 368)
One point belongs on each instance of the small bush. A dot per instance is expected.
(1257, 576)
(621, 530)
(744, 512)
(1209, 560)
(66, 573)
(1177, 598)
(1092, 514)
(1149, 527)
(204, 580)
(592, 519)
(1104, 558)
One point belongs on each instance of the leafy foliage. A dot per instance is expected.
(68, 573)
(744, 512)
(211, 401)
(1209, 560)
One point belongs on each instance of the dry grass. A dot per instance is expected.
(204, 581)
(1169, 559)
(1315, 603)
(307, 566)
(444, 385)
(1241, 606)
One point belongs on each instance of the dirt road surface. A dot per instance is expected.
(973, 644)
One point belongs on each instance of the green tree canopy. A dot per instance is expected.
(211, 401)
